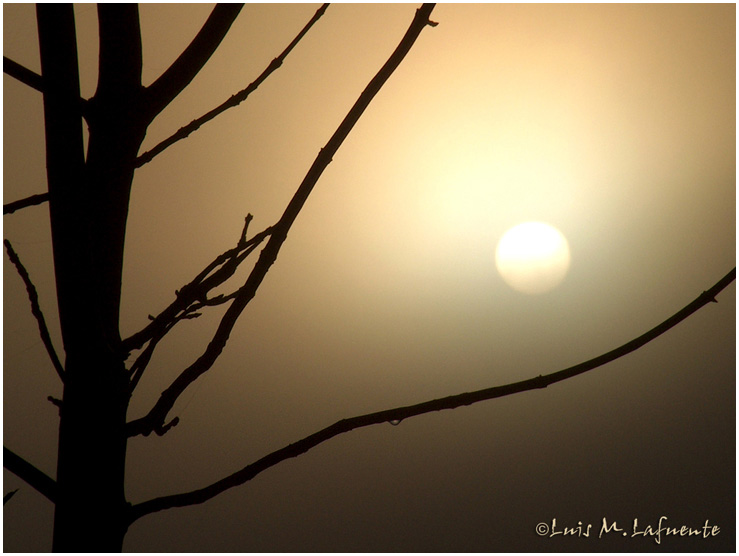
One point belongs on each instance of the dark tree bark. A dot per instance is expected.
(88, 207)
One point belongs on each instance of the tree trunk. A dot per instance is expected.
(88, 204)
(90, 507)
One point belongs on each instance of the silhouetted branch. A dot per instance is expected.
(142, 361)
(35, 309)
(182, 71)
(8, 496)
(154, 420)
(193, 296)
(326, 154)
(234, 100)
(30, 78)
(10, 208)
(34, 80)
(30, 474)
(211, 302)
(121, 57)
(396, 415)
(57, 402)
(65, 154)
(158, 414)
(23, 74)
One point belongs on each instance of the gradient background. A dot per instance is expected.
(614, 123)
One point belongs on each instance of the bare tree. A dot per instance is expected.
(88, 196)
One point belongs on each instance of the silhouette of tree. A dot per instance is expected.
(88, 196)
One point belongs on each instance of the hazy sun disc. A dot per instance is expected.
(532, 257)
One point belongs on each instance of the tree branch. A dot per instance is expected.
(35, 309)
(396, 415)
(120, 61)
(326, 154)
(8, 496)
(139, 366)
(23, 74)
(158, 414)
(33, 80)
(197, 289)
(65, 154)
(183, 70)
(30, 474)
(10, 208)
(234, 100)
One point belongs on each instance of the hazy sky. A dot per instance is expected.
(614, 123)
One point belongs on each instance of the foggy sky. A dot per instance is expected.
(614, 123)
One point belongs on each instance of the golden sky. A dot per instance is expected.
(614, 123)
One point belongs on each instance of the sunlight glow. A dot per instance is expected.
(532, 257)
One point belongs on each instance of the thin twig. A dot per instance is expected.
(398, 414)
(142, 361)
(8, 496)
(35, 309)
(234, 100)
(213, 301)
(10, 208)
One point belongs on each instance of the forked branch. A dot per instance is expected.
(398, 414)
(34, 80)
(234, 100)
(194, 295)
(160, 93)
(156, 418)
(35, 309)
(121, 52)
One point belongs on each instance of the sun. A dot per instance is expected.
(532, 257)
